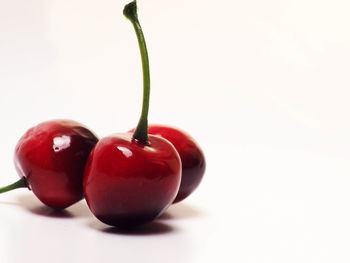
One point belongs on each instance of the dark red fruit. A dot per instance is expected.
(130, 179)
(192, 157)
(52, 157)
(128, 183)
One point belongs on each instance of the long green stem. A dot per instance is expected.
(21, 183)
(141, 131)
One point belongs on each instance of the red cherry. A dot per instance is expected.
(130, 179)
(192, 157)
(128, 183)
(50, 159)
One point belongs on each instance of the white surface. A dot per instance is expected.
(262, 85)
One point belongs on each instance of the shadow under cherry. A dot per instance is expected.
(151, 228)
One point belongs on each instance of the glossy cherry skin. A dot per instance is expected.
(192, 157)
(127, 183)
(52, 157)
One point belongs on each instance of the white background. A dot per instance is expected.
(262, 85)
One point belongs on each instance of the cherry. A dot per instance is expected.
(50, 159)
(128, 182)
(192, 157)
(130, 179)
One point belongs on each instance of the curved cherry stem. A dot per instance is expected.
(21, 183)
(141, 131)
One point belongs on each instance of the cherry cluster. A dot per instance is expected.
(127, 179)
